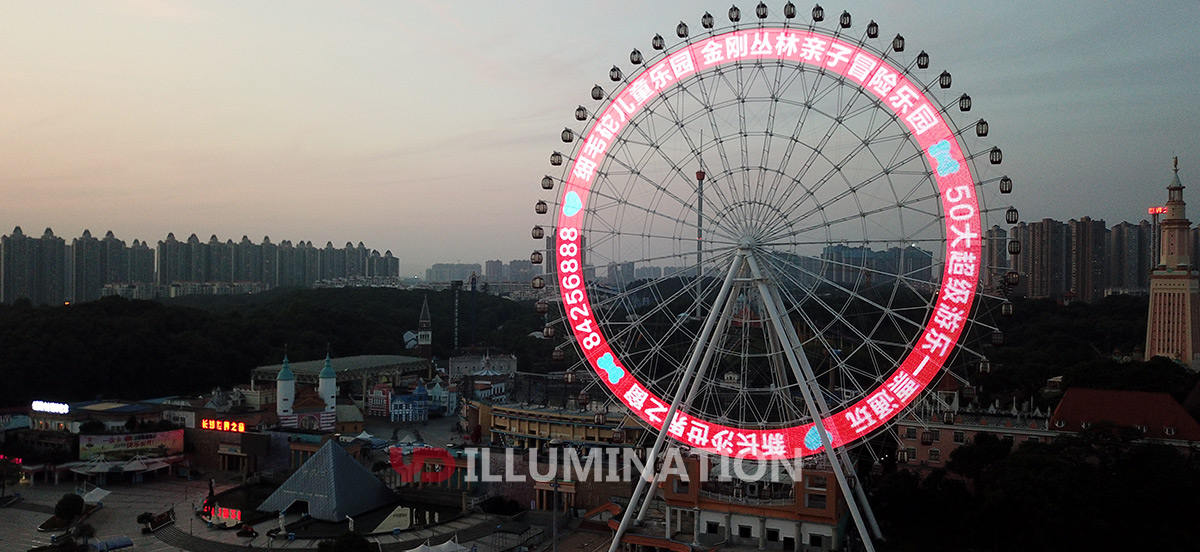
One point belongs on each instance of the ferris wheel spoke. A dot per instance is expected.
(678, 202)
(838, 358)
(707, 96)
(789, 342)
(677, 125)
(900, 275)
(678, 326)
(863, 140)
(785, 159)
(837, 118)
(840, 316)
(836, 169)
(792, 268)
(781, 236)
(662, 305)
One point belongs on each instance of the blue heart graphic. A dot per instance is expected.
(571, 204)
(812, 439)
(606, 363)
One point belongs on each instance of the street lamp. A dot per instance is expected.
(555, 444)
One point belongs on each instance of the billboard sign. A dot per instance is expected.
(161, 443)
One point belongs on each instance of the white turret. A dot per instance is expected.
(285, 389)
(327, 385)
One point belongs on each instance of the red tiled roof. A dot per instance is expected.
(1157, 412)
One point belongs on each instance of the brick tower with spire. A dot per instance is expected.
(425, 336)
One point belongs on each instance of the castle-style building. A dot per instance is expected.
(306, 411)
(1173, 328)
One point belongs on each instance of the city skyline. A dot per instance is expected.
(421, 128)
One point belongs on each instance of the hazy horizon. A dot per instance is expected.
(423, 128)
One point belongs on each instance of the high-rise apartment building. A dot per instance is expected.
(1089, 268)
(1129, 259)
(495, 271)
(18, 257)
(1044, 263)
(48, 271)
(995, 258)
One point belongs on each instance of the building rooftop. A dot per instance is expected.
(346, 368)
(111, 407)
(1156, 414)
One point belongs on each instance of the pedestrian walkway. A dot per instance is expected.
(171, 535)
(118, 517)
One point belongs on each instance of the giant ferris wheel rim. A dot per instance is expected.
(937, 141)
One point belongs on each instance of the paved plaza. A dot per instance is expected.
(18, 522)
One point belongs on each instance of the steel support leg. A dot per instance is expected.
(706, 331)
(794, 352)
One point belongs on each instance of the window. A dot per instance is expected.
(681, 486)
(937, 435)
(912, 453)
(816, 541)
(712, 527)
(772, 535)
(1033, 440)
(1169, 430)
(910, 433)
(744, 531)
(816, 482)
(935, 455)
(1007, 439)
(959, 437)
(814, 500)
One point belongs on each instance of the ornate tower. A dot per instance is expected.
(1173, 327)
(285, 390)
(425, 335)
(327, 385)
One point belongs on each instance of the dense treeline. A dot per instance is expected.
(1096, 491)
(119, 348)
(1090, 345)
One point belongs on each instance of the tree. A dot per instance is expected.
(10, 473)
(92, 427)
(973, 459)
(85, 531)
(69, 507)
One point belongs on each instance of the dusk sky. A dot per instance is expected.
(424, 127)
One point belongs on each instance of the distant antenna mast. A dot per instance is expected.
(456, 286)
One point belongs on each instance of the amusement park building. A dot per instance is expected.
(772, 513)
(930, 431)
(356, 374)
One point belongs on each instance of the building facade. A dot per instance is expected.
(1173, 327)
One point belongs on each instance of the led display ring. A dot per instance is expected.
(960, 218)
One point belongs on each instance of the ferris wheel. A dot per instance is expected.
(770, 237)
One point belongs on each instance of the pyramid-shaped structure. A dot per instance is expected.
(333, 484)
